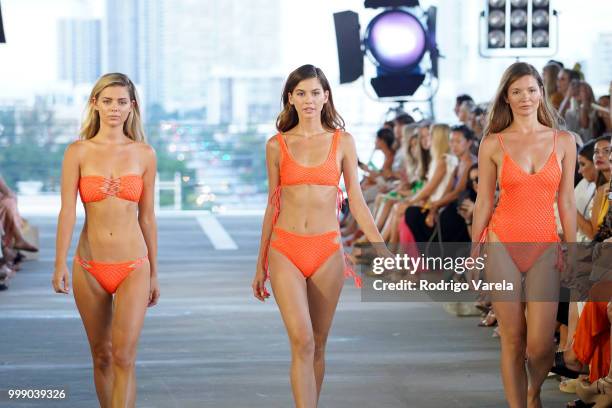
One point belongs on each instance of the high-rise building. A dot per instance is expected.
(217, 57)
(79, 50)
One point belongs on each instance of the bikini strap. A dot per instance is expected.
(555, 141)
(501, 142)
(281, 142)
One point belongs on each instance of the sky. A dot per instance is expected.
(29, 61)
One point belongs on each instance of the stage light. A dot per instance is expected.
(517, 28)
(518, 38)
(518, 18)
(497, 19)
(395, 40)
(497, 39)
(540, 38)
(540, 18)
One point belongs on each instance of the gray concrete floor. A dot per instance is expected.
(209, 343)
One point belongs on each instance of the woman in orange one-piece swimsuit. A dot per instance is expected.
(300, 242)
(534, 165)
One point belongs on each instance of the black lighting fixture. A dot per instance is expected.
(518, 28)
(2, 37)
(395, 41)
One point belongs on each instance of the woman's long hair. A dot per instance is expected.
(132, 127)
(440, 134)
(550, 86)
(500, 115)
(288, 118)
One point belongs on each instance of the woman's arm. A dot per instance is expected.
(487, 180)
(566, 200)
(67, 215)
(272, 165)
(358, 206)
(585, 226)
(146, 220)
(431, 185)
(387, 168)
(600, 195)
(453, 192)
(4, 188)
(146, 208)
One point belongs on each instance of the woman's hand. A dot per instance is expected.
(430, 219)
(61, 279)
(466, 209)
(259, 285)
(153, 291)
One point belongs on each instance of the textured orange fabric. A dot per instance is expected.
(592, 339)
(525, 211)
(299, 248)
(97, 188)
(110, 275)
(292, 172)
(307, 257)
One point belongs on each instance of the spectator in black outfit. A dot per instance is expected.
(452, 224)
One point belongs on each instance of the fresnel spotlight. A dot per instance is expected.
(395, 41)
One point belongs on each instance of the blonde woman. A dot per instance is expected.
(114, 170)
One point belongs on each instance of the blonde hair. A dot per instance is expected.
(132, 127)
(409, 133)
(500, 114)
(440, 134)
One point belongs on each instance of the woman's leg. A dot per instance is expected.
(324, 288)
(542, 285)
(289, 288)
(131, 302)
(398, 212)
(384, 213)
(95, 307)
(510, 314)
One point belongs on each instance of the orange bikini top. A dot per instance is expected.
(97, 188)
(292, 172)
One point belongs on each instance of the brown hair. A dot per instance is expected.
(500, 115)
(132, 127)
(288, 118)
(550, 85)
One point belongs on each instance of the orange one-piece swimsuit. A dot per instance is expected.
(525, 211)
(98, 188)
(307, 252)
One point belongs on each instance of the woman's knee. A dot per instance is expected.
(539, 348)
(513, 341)
(124, 357)
(102, 355)
(303, 344)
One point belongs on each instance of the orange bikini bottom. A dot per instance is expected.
(309, 252)
(110, 275)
